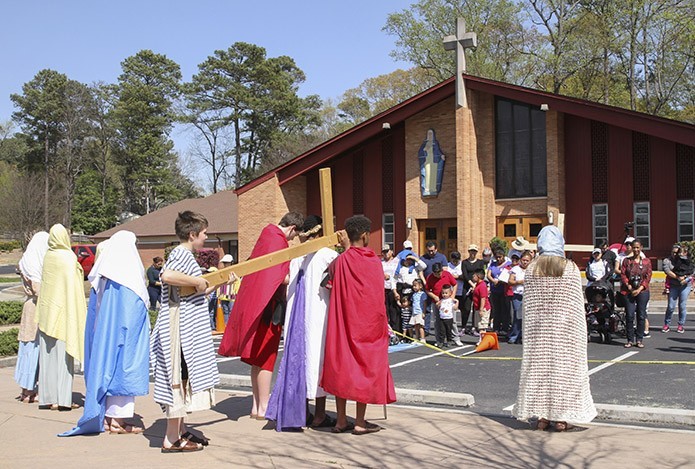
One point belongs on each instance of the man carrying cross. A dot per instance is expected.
(253, 331)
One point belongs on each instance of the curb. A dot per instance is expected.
(405, 396)
(7, 362)
(661, 415)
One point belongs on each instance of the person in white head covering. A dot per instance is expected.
(30, 268)
(116, 364)
(554, 382)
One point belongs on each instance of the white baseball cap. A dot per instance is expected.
(407, 244)
(227, 258)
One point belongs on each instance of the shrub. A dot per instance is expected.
(10, 312)
(7, 246)
(690, 246)
(499, 243)
(167, 251)
(207, 257)
(153, 318)
(9, 345)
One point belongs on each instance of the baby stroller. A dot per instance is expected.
(601, 316)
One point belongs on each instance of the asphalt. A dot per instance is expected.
(411, 436)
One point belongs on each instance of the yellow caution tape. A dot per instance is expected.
(624, 362)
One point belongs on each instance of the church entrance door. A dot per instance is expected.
(442, 231)
(527, 226)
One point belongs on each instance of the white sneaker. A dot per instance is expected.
(458, 342)
(423, 341)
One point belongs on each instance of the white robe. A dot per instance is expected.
(316, 303)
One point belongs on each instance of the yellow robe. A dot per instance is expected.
(61, 310)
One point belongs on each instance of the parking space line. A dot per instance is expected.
(425, 357)
(612, 362)
(593, 370)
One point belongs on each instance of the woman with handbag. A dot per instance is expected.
(635, 275)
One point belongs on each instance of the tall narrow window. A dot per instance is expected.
(642, 230)
(600, 216)
(520, 150)
(686, 220)
(388, 229)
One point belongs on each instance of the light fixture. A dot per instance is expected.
(409, 223)
(386, 126)
(544, 107)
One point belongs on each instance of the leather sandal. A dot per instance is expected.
(182, 445)
(196, 439)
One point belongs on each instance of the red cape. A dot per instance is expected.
(356, 364)
(254, 294)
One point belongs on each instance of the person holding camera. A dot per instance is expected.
(635, 275)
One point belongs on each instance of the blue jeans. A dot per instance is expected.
(636, 306)
(515, 334)
(680, 294)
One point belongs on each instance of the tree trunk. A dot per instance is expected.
(45, 182)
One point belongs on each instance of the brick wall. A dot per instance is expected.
(264, 204)
(440, 118)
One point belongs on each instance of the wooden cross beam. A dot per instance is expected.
(222, 276)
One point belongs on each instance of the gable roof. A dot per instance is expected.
(220, 209)
(679, 132)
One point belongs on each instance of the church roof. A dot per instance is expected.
(667, 129)
(220, 209)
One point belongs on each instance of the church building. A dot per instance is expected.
(509, 162)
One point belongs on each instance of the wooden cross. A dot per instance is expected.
(459, 42)
(222, 276)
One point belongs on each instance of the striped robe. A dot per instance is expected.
(196, 340)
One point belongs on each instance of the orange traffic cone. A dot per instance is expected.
(219, 319)
(488, 341)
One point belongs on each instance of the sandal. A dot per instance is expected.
(345, 429)
(368, 428)
(196, 439)
(542, 424)
(627, 345)
(128, 429)
(182, 445)
(640, 345)
(327, 422)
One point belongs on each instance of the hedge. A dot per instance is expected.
(10, 312)
(9, 345)
(7, 246)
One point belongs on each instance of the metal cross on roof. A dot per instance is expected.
(461, 41)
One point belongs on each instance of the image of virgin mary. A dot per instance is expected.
(431, 161)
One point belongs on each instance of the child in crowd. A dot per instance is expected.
(447, 305)
(406, 314)
(418, 304)
(480, 300)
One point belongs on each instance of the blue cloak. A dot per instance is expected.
(116, 353)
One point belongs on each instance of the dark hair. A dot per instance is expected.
(602, 245)
(417, 280)
(157, 259)
(499, 252)
(636, 241)
(479, 272)
(430, 244)
(312, 227)
(357, 225)
(189, 222)
(526, 253)
(292, 218)
(455, 255)
(437, 267)
(446, 287)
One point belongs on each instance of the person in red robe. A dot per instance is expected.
(255, 323)
(356, 365)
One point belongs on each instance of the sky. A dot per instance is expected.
(338, 44)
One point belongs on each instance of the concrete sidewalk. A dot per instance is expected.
(412, 436)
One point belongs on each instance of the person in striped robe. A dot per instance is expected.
(181, 349)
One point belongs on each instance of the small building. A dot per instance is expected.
(155, 231)
(512, 161)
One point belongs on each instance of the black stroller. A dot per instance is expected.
(601, 316)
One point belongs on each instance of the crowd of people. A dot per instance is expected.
(336, 321)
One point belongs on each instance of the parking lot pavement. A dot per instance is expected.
(659, 376)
